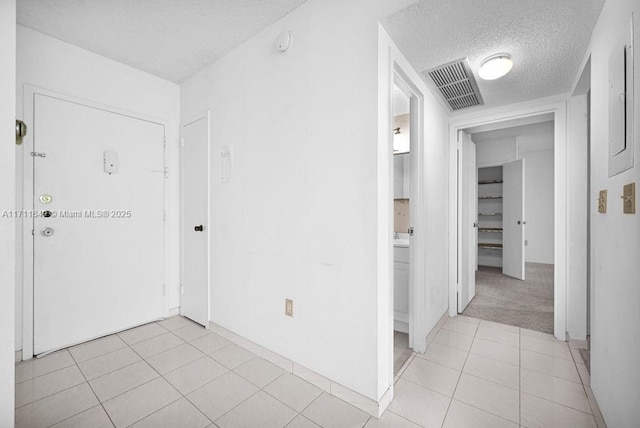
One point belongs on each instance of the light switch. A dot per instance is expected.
(110, 162)
(629, 198)
(602, 201)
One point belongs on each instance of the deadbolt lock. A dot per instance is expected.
(47, 231)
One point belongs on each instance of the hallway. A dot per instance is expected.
(175, 373)
(527, 304)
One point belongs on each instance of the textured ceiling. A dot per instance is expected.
(547, 40)
(172, 39)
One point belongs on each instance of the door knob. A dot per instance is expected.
(199, 228)
(47, 231)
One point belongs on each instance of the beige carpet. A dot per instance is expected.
(527, 304)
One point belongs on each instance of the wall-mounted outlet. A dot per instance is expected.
(602, 202)
(288, 307)
(629, 198)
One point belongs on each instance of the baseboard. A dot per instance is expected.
(337, 390)
(401, 326)
(436, 328)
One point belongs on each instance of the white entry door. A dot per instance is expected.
(98, 243)
(195, 221)
(469, 214)
(513, 221)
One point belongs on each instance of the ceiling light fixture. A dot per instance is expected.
(495, 66)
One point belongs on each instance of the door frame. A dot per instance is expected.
(460, 217)
(402, 83)
(416, 248)
(202, 115)
(560, 276)
(25, 200)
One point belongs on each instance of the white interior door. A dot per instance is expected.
(513, 221)
(469, 218)
(195, 221)
(98, 245)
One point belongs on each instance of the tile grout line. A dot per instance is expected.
(44, 374)
(170, 384)
(556, 377)
(162, 376)
(584, 387)
(230, 370)
(93, 391)
(112, 371)
(520, 392)
(559, 404)
(50, 395)
(468, 374)
(144, 383)
(457, 382)
(309, 405)
(91, 387)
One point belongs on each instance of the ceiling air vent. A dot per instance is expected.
(456, 83)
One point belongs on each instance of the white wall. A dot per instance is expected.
(298, 218)
(7, 202)
(495, 151)
(534, 143)
(577, 214)
(615, 283)
(431, 236)
(48, 63)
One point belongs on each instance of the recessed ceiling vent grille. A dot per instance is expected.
(457, 85)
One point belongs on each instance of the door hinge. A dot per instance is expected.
(181, 289)
(166, 172)
(33, 232)
(410, 231)
(164, 140)
(164, 216)
(182, 142)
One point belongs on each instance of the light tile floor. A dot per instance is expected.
(401, 350)
(174, 373)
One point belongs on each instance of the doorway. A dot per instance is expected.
(195, 209)
(401, 131)
(94, 248)
(515, 228)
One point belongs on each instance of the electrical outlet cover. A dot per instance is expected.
(629, 198)
(602, 202)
